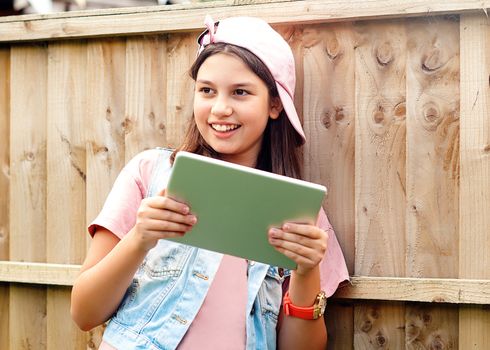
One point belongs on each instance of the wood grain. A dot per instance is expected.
(380, 175)
(27, 198)
(104, 123)
(152, 20)
(181, 51)
(474, 239)
(328, 83)
(104, 128)
(66, 162)
(4, 187)
(432, 171)
(146, 94)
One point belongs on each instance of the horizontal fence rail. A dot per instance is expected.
(437, 290)
(153, 20)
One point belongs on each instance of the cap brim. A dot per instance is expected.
(290, 109)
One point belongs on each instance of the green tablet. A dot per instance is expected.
(236, 205)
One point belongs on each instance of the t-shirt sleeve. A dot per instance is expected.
(333, 269)
(118, 214)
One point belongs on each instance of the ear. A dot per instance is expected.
(276, 108)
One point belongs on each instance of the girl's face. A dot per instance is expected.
(232, 107)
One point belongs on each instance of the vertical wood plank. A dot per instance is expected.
(373, 328)
(66, 176)
(380, 175)
(432, 171)
(329, 102)
(433, 152)
(339, 318)
(106, 62)
(181, 52)
(106, 74)
(474, 239)
(4, 187)
(146, 90)
(328, 108)
(28, 190)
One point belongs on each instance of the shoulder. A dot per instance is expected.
(142, 165)
(144, 162)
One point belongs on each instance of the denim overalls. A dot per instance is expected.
(170, 286)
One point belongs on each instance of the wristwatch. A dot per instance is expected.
(306, 313)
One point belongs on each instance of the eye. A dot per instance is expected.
(205, 90)
(241, 92)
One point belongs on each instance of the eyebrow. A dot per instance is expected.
(237, 85)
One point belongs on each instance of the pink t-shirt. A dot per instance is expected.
(222, 315)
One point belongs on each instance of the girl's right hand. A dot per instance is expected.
(161, 217)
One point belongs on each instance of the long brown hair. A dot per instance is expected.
(281, 145)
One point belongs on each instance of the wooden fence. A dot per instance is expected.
(394, 97)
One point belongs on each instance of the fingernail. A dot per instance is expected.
(192, 219)
(185, 209)
(285, 227)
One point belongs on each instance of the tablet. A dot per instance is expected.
(236, 205)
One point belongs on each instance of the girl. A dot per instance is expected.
(164, 295)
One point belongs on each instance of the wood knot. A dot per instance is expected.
(339, 113)
(99, 149)
(151, 116)
(29, 156)
(127, 125)
(379, 114)
(427, 318)
(437, 343)
(400, 111)
(374, 313)
(161, 127)
(486, 148)
(380, 339)
(326, 120)
(366, 326)
(384, 54)
(432, 116)
(108, 113)
(332, 48)
(432, 61)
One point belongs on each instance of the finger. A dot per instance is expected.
(168, 203)
(295, 248)
(167, 226)
(303, 229)
(293, 237)
(167, 215)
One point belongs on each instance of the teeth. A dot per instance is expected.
(223, 128)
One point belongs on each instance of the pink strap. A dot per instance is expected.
(209, 38)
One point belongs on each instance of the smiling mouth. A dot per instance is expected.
(224, 127)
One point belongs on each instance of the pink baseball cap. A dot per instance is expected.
(257, 36)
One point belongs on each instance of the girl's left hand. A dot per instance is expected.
(305, 244)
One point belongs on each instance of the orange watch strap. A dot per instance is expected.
(306, 313)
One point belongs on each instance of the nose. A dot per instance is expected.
(221, 107)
